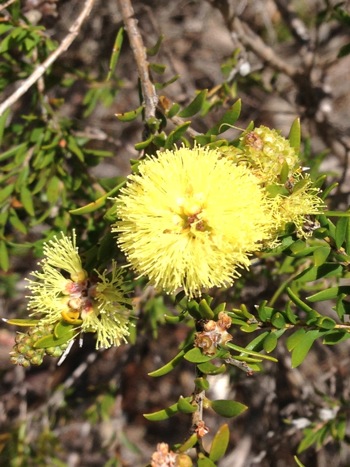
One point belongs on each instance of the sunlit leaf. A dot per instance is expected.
(294, 136)
(227, 121)
(162, 414)
(227, 408)
(303, 347)
(184, 405)
(195, 106)
(115, 53)
(168, 366)
(220, 443)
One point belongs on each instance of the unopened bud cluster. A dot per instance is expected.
(24, 352)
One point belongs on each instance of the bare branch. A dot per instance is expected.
(148, 90)
(251, 40)
(41, 69)
(5, 5)
(294, 23)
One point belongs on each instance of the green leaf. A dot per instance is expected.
(309, 439)
(27, 200)
(195, 106)
(325, 323)
(270, 342)
(52, 341)
(158, 68)
(143, 144)
(304, 306)
(205, 310)
(162, 414)
(294, 136)
(265, 312)
(176, 134)
(295, 338)
(195, 355)
(220, 443)
(152, 51)
(278, 320)
(341, 231)
(169, 366)
(6, 192)
(205, 461)
(16, 222)
(314, 273)
(4, 257)
(91, 207)
(115, 53)
(130, 116)
(227, 408)
(249, 352)
(63, 328)
(202, 383)
(209, 369)
(22, 322)
(174, 109)
(303, 347)
(298, 462)
(189, 443)
(335, 337)
(321, 254)
(73, 146)
(329, 294)
(184, 405)
(227, 121)
(257, 344)
(53, 190)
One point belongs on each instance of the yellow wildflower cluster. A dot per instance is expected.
(191, 218)
(62, 291)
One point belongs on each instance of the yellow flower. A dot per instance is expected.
(297, 207)
(190, 218)
(97, 305)
(266, 153)
(276, 164)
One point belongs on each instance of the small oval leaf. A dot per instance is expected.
(228, 408)
(184, 405)
(195, 355)
(131, 115)
(195, 106)
(169, 366)
(162, 414)
(220, 443)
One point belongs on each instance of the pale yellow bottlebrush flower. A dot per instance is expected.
(108, 311)
(266, 153)
(297, 207)
(189, 219)
(62, 253)
(97, 305)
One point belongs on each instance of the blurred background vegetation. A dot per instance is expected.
(62, 147)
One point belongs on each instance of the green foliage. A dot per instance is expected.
(47, 183)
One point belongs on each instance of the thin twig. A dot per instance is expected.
(148, 90)
(251, 40)
(5, 5)
(41, 69)
(293, 22)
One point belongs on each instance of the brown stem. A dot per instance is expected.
(148, 90)
(42, 68)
